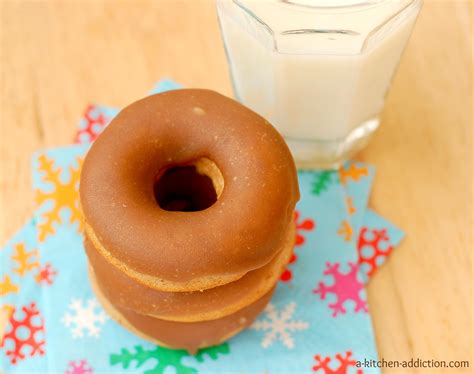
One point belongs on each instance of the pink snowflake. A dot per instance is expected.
(79, 367)
(345, 287)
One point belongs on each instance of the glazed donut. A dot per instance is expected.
(182, 335)
(209, 304)
(183, 243)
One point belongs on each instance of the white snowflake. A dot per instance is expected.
(84, 317)
(279, 325)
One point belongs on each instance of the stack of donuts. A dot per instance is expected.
(188, 200)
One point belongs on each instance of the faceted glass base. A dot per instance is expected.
(330, 154)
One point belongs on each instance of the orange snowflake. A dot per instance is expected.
(351, 209)
(6, 286)
(63, 195)
(353, 172)
(26, 260)
(345, 230)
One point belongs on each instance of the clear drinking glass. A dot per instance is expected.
(318, 70)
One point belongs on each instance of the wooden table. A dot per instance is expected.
(59, 56)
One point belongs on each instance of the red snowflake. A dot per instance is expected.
(46, 275)
(344, 363)
(306, 225)
(94, 124)
(370, 240)
(287, 273)
(345, 286)
(79, 367)
(32, 322)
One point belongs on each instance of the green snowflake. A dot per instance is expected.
(322, 181)
(212, 352)
(165, 357)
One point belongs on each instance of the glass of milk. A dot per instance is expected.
(318, 70)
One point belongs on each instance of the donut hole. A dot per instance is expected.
(189, 188)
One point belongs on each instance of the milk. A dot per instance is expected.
(318, 70)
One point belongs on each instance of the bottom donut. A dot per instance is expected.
(190, 336)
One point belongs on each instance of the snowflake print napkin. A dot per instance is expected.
(317, 321)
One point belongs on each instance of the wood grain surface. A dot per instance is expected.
(58, 56)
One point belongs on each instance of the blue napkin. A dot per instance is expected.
(317, 320)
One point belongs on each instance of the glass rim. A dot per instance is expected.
(353, 5)
(305, 5)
